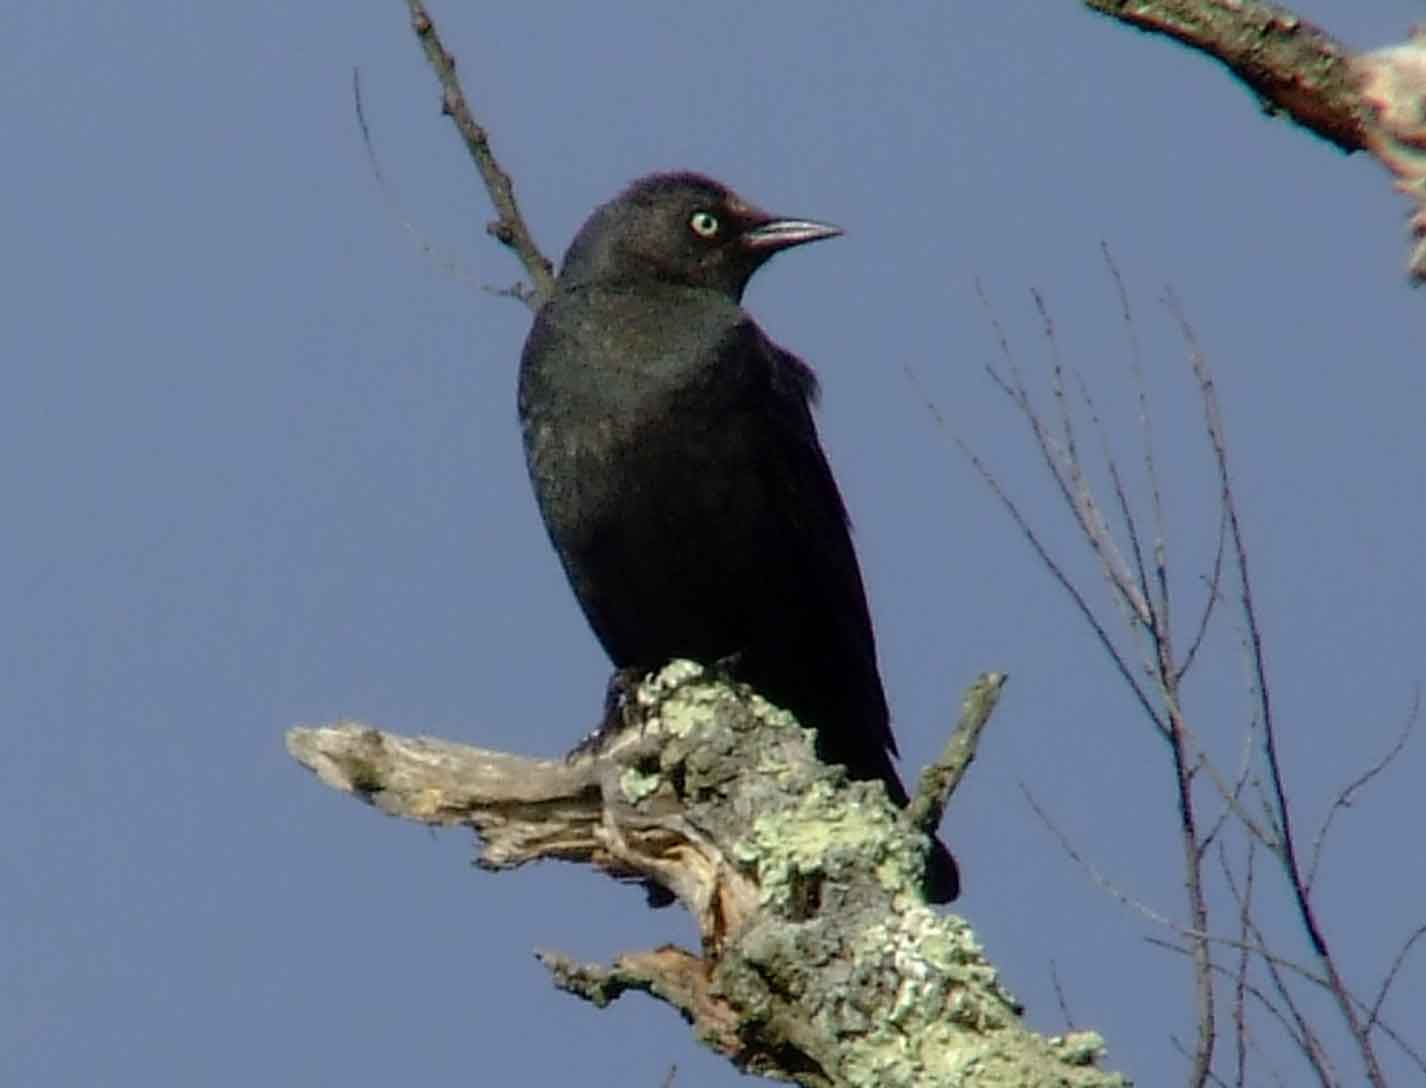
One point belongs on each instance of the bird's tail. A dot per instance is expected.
(943, 875)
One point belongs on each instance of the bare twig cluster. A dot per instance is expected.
(1229, 824)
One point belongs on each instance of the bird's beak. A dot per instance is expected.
(776, 234)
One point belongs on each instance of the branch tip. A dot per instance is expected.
(940, 779)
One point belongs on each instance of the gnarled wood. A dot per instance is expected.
(819, 961)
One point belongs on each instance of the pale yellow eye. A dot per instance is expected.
(703, 224)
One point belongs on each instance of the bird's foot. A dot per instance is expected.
(620, 712)
(726, 667)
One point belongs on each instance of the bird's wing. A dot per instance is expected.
(819, 551)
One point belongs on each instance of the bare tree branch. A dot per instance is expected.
(1392, 974)
(509, 227)
(1077, 856)
(940, 778)
(1372, 101)
(1287, 852)
(1348, 795)
(1293, 66)
(1143, 591)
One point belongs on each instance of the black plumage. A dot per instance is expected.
(677, 466)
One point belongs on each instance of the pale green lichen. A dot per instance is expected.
(904, 996)
(950, 1020)
(770, 715)
(1079, 1048)
(659, 686)
(823, 833)
(685, 705)
(635, 785)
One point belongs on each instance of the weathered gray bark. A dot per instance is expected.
(820, 962)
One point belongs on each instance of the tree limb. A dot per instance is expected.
(509, 227)
(1372, 101)
(1293, 66)
(940, 779)
(819, 962)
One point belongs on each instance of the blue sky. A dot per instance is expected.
(261, 467)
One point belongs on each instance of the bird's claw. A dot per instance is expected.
(620, 712)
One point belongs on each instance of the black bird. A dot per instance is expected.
(676, 463)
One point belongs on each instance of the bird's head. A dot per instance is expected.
(682, 228)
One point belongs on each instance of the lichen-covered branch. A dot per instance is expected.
(940, 779)
(1372, 102)
(819, 962)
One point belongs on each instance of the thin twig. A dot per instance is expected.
(1149, 620)
(1240, 984)
(941, 777)
(1210, 1077)
(1197, 897)
(1060, 998)
(1292, 1023)
(1057, 572)
(1215, 583)
(509, 227)
(1348, 795)
(1233, 805)
(447, 261)
(1062, 459)
(1138, 599)
(1151, 473)
(1093, 870)
(1287, 853)
(1398, 961)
